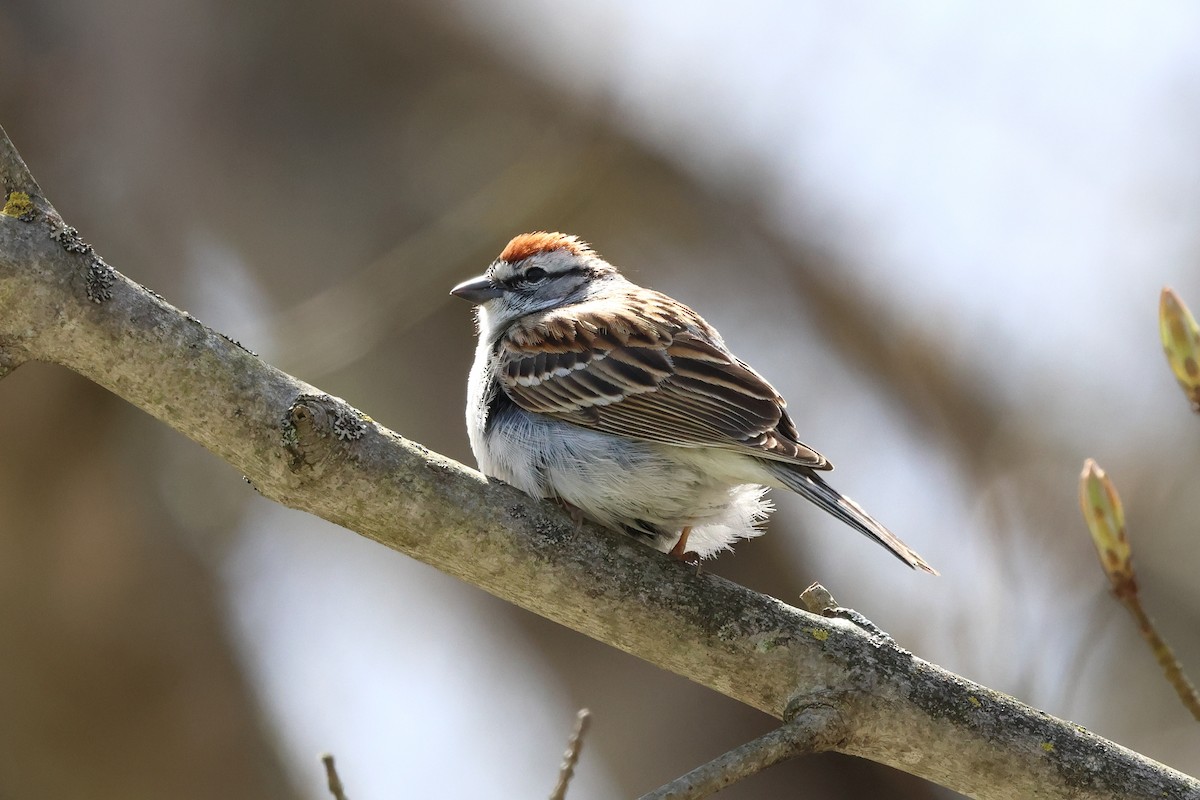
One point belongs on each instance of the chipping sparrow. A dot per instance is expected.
(626, 405)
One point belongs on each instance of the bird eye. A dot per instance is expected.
(534, 274)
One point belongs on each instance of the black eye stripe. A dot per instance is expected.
(535, 275)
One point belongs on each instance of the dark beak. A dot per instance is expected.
(477, 290)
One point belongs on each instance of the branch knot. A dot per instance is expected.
(312, 418)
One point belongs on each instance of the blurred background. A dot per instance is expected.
(939, 228)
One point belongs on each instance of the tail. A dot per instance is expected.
(810, 486)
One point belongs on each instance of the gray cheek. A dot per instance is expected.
(513, 304)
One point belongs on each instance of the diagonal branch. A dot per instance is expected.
(814, 728)
(332, 778)
(60, 303)
(571, 756)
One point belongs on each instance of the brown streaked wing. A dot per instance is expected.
(648, 376)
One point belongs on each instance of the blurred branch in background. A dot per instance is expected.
(335, 327)
(920, 370)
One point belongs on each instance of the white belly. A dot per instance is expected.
(625, 482)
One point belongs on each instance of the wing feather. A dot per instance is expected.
(654, 371)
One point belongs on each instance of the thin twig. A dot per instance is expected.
(1163, 653)
(1105, 517)
(341, 323)
(812, 730)
(571, 756)
(335, 783)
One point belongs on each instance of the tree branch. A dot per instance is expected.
(571, 756)
(332, 779)
(60, 303)
(814, 728)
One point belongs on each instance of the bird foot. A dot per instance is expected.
(576, 513)
(680, 552)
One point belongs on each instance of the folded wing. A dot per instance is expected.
(649, 371)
